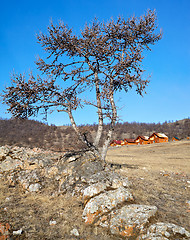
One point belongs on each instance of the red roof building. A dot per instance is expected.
(142, 140)
(116, 143)
(158, 138)
(129, 141)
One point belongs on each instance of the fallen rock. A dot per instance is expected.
(17, 232)
(34, 187)
(128, 221)
(4, 151)
(52, 222)
(104, 203)
(75, 232)
(94, 190)
(25, 178)
(4, 231)
(165, 231)
(10, 164)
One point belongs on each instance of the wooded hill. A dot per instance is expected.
(32, 133)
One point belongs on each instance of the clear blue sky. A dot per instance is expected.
(168, 94)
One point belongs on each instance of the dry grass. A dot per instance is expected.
(143, 165)
(33, 212)
(159, 174)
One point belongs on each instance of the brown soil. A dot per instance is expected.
(160, 176)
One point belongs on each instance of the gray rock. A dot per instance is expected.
(10, 164)
(34, 187)
(74, 232)
(129, 220)
(165, 231)
(94, 190)
(52, 222)
(17, 232)
(104, 203)
(4, 152)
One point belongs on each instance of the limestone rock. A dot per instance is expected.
(52, 171)
(34, 187)
(104, 203)
(164, 231)
(75, 232)
(24, 178)
(18, 232)
(4, 150)
(94, 189)
(4, 231)
(129, 220)
(10, 164)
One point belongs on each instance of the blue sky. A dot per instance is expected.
(168, 94)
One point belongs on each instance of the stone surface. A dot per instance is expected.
(4, 151)
(34, 187)
(75, 232)
(94, 190)
(17, 232)
(165, 231)
(129, 220)
(10, 164)
(4, 231)
(104, 203)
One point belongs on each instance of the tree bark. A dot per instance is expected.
(111, 129)
(80, 136)
(100, 116)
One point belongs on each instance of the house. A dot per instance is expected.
(115, 143)
(175, 139)
(158, 138)
(142, 140)
(128, 141)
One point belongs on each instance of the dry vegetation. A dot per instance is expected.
(160, 176)
(33, 213)
(30, 133)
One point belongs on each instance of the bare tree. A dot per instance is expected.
(105, 58)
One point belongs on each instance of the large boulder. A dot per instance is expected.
(104, 203)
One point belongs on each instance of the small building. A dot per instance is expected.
(115, 143)
(142, 140)
(158, 138)
(175, 139)
(129, 141)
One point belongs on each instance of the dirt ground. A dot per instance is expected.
(159, 175)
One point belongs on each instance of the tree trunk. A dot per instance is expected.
(82, 137)
(111, 129)
(100, 116)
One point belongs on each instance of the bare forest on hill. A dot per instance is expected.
(30, 133)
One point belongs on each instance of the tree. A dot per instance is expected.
(105, 58)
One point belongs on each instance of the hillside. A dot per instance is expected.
(37, 134)
(30, 133)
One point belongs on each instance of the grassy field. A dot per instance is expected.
(159, 175)
(172, 156)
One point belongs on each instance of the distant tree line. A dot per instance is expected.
(30, 133)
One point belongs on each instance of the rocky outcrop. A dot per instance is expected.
(160, 231)
(107, 198)
(105, 202)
